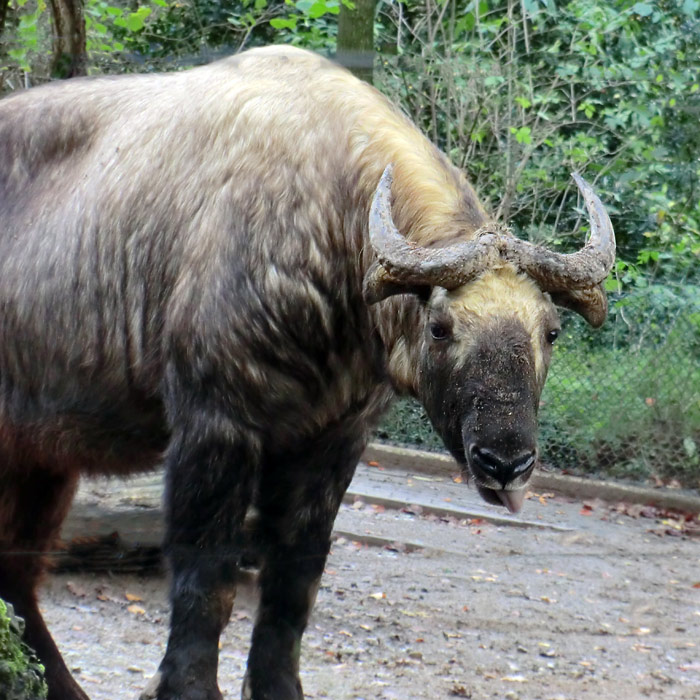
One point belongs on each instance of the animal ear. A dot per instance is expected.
(591, 303)
(379, 285)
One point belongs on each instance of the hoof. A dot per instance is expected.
(155, 690)
(246, 690)
(151, 690)
(279, 688)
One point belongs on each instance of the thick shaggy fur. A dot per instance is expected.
(181, 267)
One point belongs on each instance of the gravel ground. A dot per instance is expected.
(608, 608)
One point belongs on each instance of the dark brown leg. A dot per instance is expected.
(210, 477)
(33, 504)
(298, 501)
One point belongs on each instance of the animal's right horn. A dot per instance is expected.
(403, 265)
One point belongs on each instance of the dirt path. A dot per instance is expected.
(607, 606)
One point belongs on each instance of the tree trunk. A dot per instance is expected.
(355, 48)
(69, 50)
(4, 4)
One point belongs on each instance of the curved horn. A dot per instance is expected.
(558, 272)
(408, 264)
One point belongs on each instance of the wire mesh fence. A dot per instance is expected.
(622, 402)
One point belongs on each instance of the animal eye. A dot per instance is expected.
(439, 331)
(552, 336)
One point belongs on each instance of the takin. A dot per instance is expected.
(232, 270)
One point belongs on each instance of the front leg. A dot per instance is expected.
(298, 500)
(210, 477)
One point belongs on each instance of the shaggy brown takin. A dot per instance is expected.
(233, 269)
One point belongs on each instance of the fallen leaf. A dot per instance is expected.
(77, 591)
(459, 691)
(133, 598)
(372, 464)
(136, 610)
(413, 509)
(90, 679)
(378, 595)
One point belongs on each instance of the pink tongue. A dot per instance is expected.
(512, 500)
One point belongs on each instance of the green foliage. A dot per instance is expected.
(28, 42)
(522, 93)
(112, 31)
(407, 424)
(630, 413)
(21, 675)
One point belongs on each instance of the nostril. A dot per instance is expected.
(523, 463)
(487, 460)
(501, 468)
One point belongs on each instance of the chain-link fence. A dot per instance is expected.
(620, 402)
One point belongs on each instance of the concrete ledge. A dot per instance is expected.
(574, 486)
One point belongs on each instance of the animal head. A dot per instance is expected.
(489, 325)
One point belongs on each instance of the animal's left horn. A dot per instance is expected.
(405, 265)
(562, 272)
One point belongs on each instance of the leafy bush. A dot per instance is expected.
(522, 93)
(630, 412)
(21, 675)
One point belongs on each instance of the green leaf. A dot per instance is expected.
(643, 9)
(612, 284)
(522, 135)
(134, 23)
(318, 9)
(279, 23)
(493, 80)
(690, 7)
